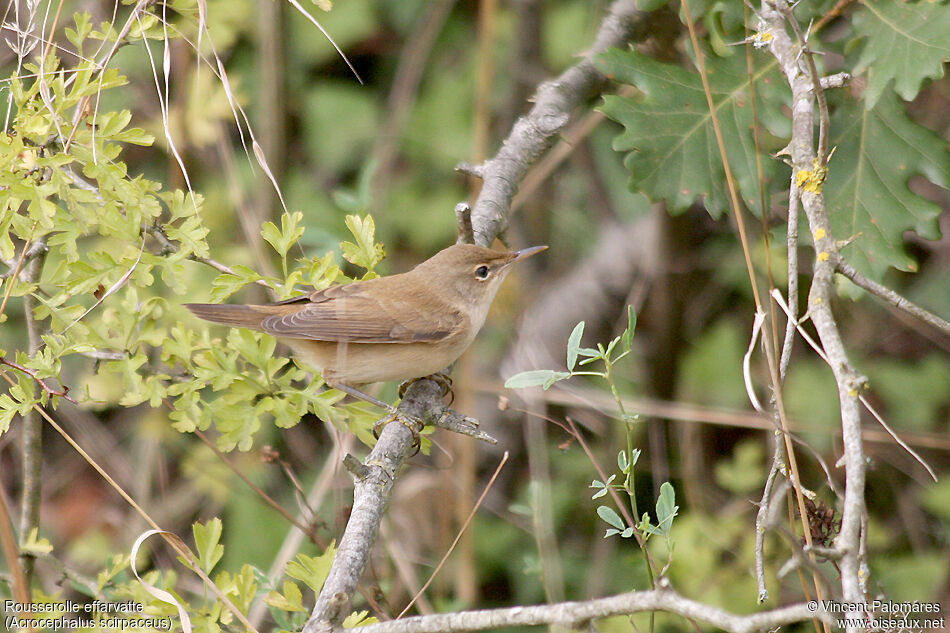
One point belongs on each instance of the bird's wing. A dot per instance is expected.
(351, 313)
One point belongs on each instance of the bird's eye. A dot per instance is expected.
(481, 272)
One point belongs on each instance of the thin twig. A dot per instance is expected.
(50, 391)
(888, 295)
(458, 537)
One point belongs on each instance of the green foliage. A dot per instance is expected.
(878, 148)
(669, 133)
(903, 42)
(312, 570)
(365, 252)
(877, 151)
(208, 548)
(744, 473)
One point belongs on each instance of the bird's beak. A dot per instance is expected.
(525, 253)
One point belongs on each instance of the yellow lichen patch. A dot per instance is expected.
(823, 256)
(820, 234)
(762, 38)
(812, 180)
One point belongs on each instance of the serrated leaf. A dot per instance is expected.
(536, 378)
(359, 618)
(867, 193)
(904, 42)
(312, 570)
(290, 599)
(668, 130)
(574, 344)
(610, 517)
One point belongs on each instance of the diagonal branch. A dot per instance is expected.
(533, 134)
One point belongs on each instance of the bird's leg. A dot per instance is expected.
(413, 424)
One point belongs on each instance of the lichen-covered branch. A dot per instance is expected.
(848, 381)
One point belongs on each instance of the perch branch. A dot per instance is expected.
(530, 137)
(372, 490)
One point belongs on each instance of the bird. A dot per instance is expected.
(399, 327)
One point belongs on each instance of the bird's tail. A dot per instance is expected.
(230, 314)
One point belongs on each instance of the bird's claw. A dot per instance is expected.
(414, 425)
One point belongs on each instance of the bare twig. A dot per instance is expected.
(463, 219)
(32, 434)
(889, 295)
(531, 136)
(62, 393)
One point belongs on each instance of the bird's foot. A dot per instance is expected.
(415, 426)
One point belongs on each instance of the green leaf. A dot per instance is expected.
(666, 508)
(359, 618)
(312, 570)
(878, 152)
(610, 516)
(904, 42)
(668, 130)
(536, 378)
(602, 487)
(290, 231)
(207, 537)
(627, 336)
(290, 599)
(365, 253)
(574, 344)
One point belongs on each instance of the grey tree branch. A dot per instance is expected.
(849, 382)
(534, 133)
(575, 614)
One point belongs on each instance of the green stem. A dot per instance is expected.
(629, 481)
